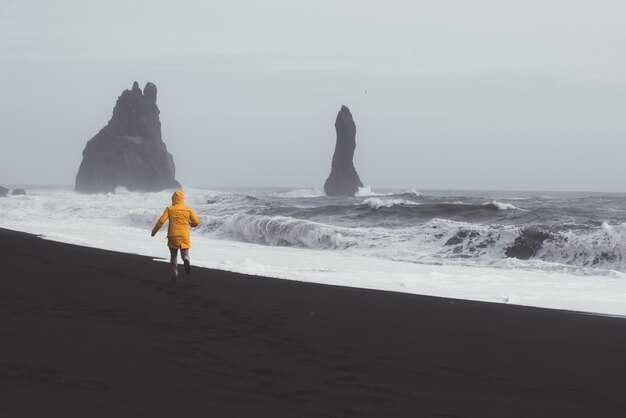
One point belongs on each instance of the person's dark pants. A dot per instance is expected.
(184, 254)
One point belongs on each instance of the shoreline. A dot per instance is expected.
(597, 295)
(90, 332)
(165, 259)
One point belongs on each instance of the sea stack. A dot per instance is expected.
(3, 191)
(129, 151)
(343, 179)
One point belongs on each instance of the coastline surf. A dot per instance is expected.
(556, 250)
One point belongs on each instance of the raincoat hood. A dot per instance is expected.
(178, 198)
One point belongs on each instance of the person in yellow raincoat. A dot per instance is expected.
(181, 217)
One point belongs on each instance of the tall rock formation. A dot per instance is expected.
(343, 179)
(129, 151)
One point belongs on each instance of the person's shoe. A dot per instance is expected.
(187, 266)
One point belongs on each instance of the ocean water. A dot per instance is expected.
(556, 250)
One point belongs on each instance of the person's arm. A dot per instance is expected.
(160, 222)
(193, 219)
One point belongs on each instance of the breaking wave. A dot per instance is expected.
(285, 231)
(503, 206)
(441, 240)
(365, 191)
(377, 203)
(560, 231)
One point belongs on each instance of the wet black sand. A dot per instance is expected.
(91, 333)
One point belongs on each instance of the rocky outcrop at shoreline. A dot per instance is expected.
(129, 151)
(343, 179)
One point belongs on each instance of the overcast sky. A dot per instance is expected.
(454, 94)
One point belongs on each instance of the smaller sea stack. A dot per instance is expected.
(343, 179)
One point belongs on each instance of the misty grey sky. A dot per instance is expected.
(455, 94)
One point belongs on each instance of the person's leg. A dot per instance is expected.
(184, 253)
(174, 263)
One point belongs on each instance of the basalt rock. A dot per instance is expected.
(343, 179)
(18, 192)
(129, 151)
(3, 191)
(527, 243)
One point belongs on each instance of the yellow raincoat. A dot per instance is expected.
(180, 217)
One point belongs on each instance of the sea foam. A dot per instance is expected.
(349, 242)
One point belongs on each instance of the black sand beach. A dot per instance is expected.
(92, 333)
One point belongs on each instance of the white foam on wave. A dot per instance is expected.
(603, 247)
(377, 203)
(502, 206)
(494, 203)
(365, 191)
(122, 223)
